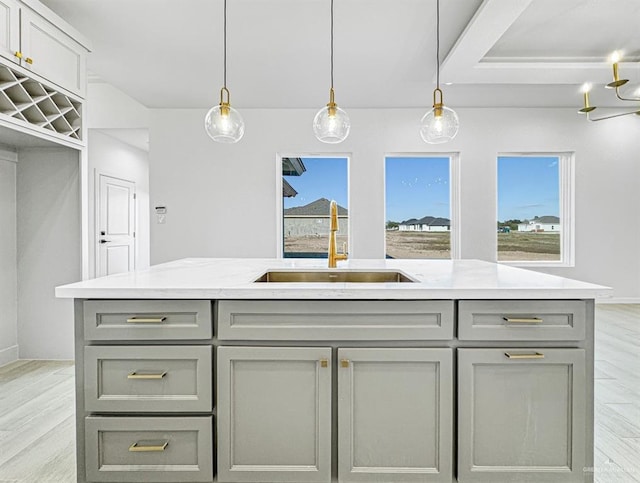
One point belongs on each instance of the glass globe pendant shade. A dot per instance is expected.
(331, 124)
(223, 123)
(440, 124)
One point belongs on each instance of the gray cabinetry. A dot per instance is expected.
(335, 320)
(274, 414)
(148, 378)
(145, 407)
(314, 390)
(395, 415)
(521, 415)
(147, 320)
(147, 449)
(525, 320)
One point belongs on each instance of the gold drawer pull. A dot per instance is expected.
(324, 362)
(18, 54)
(522, 320)
(29, 60)
(147, 448)
(535, 355)
(136, 375)
(344, 363)
(146, 320)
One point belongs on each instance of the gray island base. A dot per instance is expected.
(475, 372)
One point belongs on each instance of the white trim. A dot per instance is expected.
(279, 200)
(8, 355)
(454, 196)
(566, 175)
(618, 300)
(468, 63)
(7, 154)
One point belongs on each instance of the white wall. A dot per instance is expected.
(49, 249)
(109, 107)
(221, 199)
(8, 260)
(112, 157)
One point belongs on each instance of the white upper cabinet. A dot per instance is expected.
(51, 53)
(9, 29)
(42, 45)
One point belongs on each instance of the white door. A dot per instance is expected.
(116, 226)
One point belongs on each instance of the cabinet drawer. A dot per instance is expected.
(148, 379)
(335, 320)
(149, 449)
(147, 319)
(521, 320)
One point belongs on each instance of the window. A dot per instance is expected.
(535, 202)
(418, 194)
(308, 186)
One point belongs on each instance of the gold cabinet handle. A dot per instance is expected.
(523, 320)
(29, 60)
(146, 320)
(18, 54)
(136, 375)
(147, 448)
(344, 363)
(324, 362)
(535, 355)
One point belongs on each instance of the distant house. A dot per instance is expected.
(543, 223)
(313, 219)
(427, 223)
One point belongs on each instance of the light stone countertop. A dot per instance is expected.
(233, 278)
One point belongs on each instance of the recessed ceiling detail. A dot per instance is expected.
(544, 42)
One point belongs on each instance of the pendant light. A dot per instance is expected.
(223, 123)
(331, 124)
(440, 124)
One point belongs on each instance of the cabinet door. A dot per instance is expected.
(274, 414)
(9, 29)
(395, 415)
(53, 54)
(521, 412)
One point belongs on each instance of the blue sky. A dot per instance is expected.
(416, 187)
(528, 187)
(419, 186)
(324, 178)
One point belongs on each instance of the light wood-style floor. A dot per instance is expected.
(37, 409)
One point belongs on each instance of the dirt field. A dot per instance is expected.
(403, 244)
(418, 244)
(528, 246)
(311, 244)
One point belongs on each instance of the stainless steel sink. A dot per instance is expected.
(338, 276)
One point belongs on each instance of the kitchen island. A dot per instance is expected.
(204, 370)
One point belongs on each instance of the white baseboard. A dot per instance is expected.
(8, 355)
(618, 300)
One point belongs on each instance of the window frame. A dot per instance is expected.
(566, 175)
(280, 204)
(454, 199)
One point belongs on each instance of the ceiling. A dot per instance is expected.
(168, 54)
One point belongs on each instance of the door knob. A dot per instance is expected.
(104, 241)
